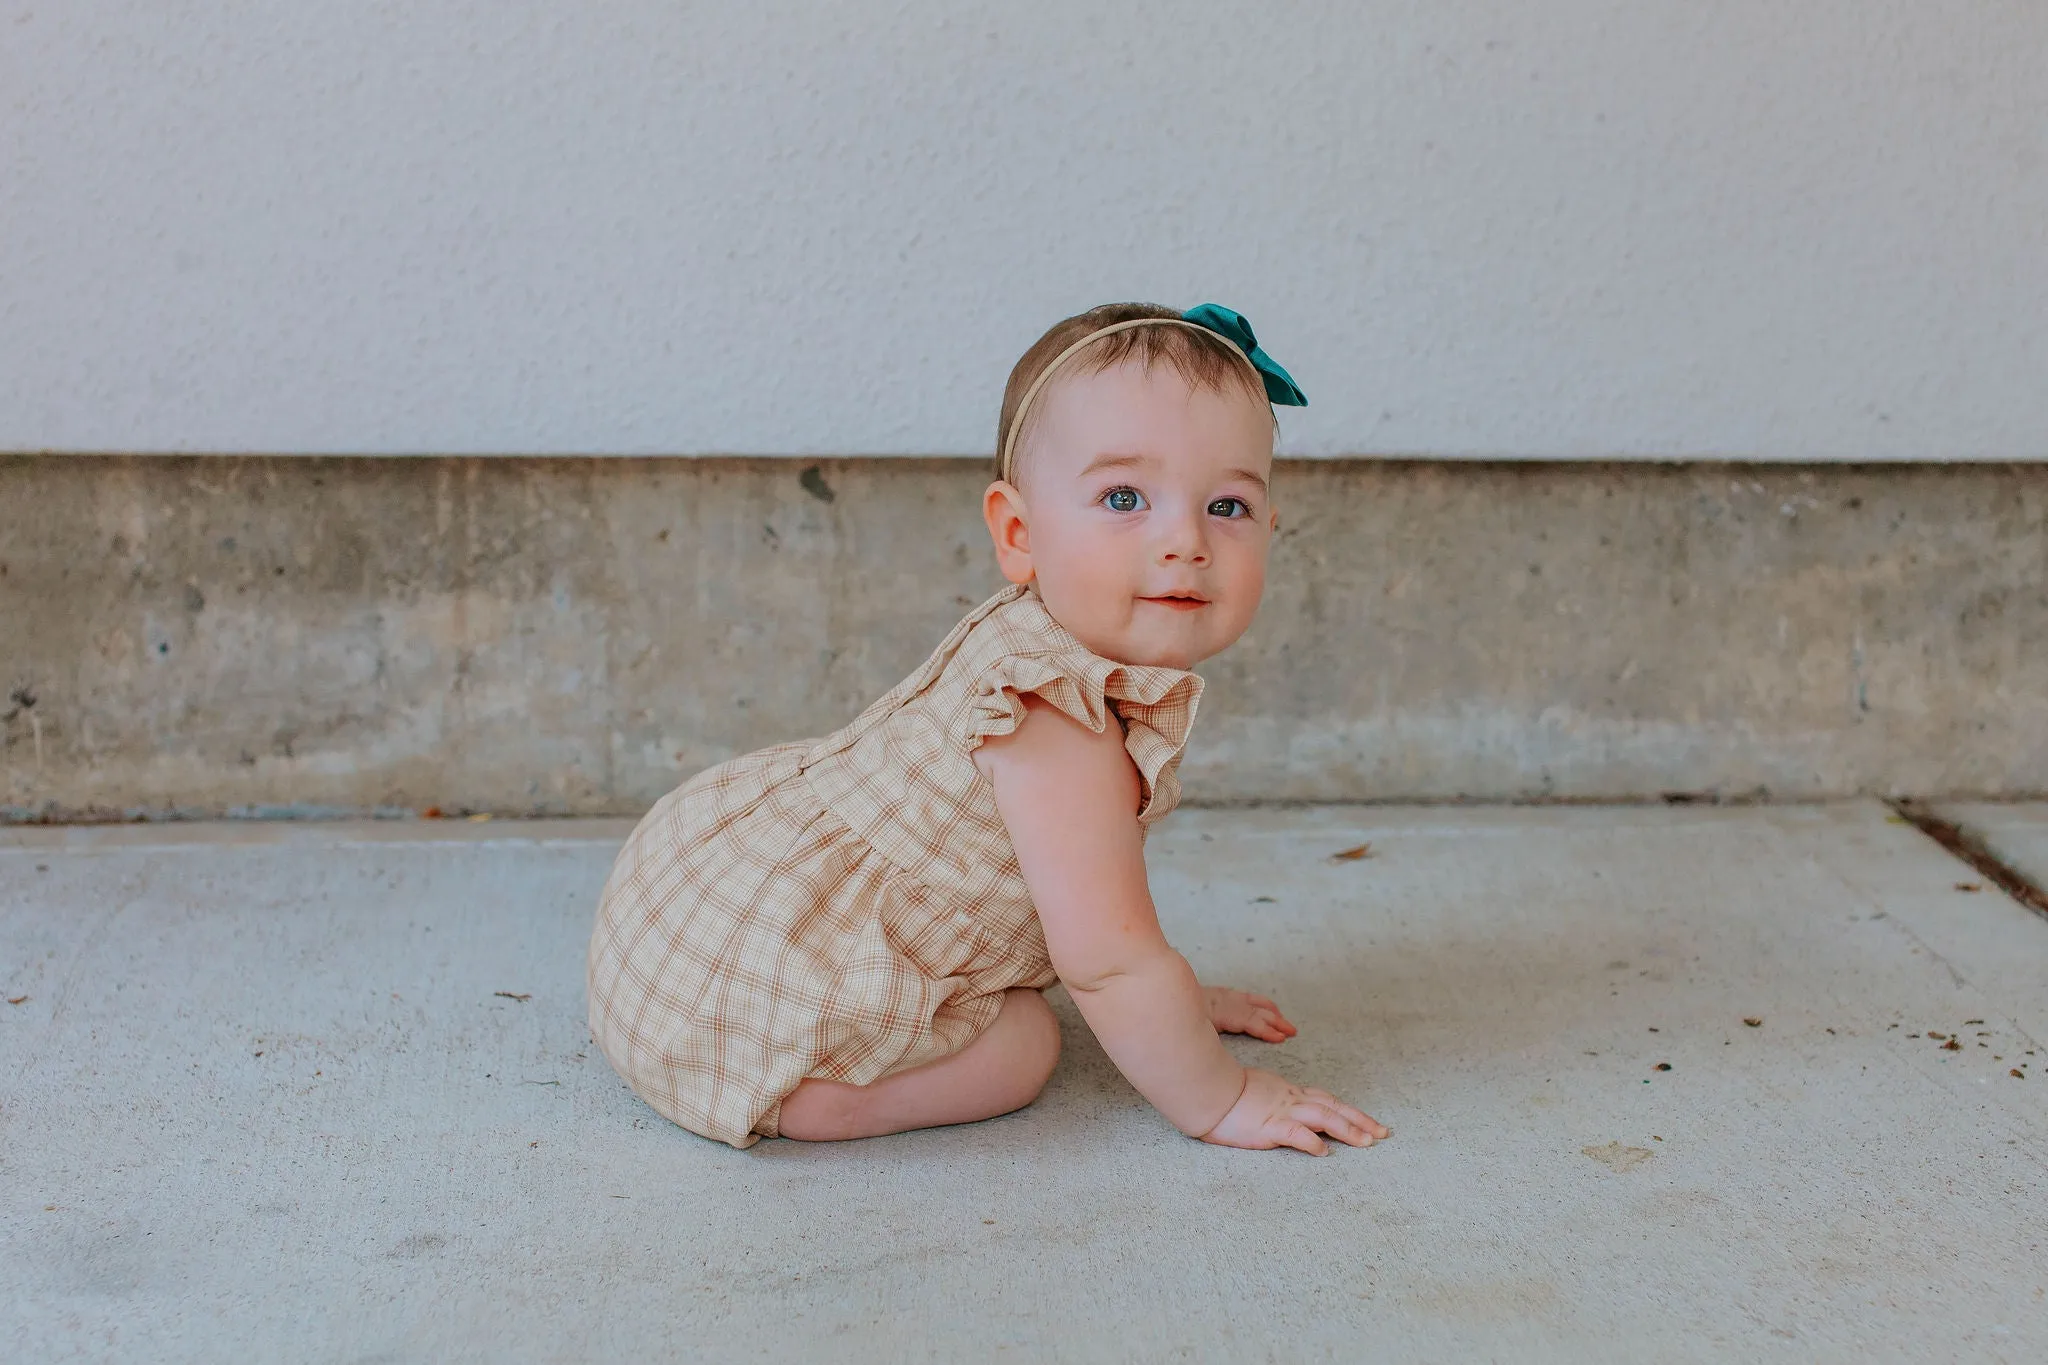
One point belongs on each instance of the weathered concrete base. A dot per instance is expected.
(262, 1100)
(195, 636)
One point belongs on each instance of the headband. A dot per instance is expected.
(1214, 318)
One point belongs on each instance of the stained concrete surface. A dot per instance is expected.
(2017, 833)
(324, 1092)
(204, 636)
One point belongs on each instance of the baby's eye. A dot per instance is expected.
(1123, 499)
(1221, 508)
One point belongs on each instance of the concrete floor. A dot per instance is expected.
(266, 1099)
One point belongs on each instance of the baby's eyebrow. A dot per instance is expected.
(1131, 461)
(1114, 462)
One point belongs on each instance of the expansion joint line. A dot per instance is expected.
(1966, 845)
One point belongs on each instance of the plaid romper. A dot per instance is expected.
(851, 906)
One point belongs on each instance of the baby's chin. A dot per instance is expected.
(1173, 643)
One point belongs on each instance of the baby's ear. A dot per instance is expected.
(1002, 507)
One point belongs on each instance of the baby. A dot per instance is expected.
(849, 936)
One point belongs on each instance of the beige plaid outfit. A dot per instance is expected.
(851, 906)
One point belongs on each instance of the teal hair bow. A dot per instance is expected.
(1280, 385)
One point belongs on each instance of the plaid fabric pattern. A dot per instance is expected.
(851, 906)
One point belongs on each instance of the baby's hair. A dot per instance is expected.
(1202, 358)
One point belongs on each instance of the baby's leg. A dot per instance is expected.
(1003, 1069)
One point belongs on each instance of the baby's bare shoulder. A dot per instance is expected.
(1050, 741)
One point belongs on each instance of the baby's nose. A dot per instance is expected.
(1186, 542)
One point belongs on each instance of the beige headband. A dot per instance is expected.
(1024, 403)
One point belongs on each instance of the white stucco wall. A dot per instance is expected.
(1584, 228)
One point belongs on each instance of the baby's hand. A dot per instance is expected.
(1235, 1011)
(1274, 1112)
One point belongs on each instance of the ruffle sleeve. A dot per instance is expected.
(1157, 705)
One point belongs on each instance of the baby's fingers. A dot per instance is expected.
(1269, 1028)
(1262, 1006)
(1303, 1137)
(1358, 1116)
(1329, 1119)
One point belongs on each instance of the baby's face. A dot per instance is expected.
(1143, 511)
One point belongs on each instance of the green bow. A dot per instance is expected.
(1280, 385)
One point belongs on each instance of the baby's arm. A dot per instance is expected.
(1069, 798)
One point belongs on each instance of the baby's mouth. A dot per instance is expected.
(1177, 602)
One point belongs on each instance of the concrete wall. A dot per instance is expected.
(194, 636)
(1587, 228)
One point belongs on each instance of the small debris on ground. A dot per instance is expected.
(1972, 887)
(1264, 900)
(17, 1000)
(513, 995)
(431, 813)
(1968, 1022)
(1616, 1157)
(1663, 1066)
(1952, 1046)
(2017, 1074)
(1752, 1021)
(1353, 854)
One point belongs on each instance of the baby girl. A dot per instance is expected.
(849, 936)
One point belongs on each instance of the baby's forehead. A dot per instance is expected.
(1202, 443)
(1131, 395)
